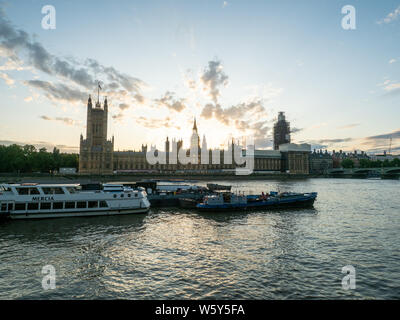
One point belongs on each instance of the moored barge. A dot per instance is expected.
(230, 201)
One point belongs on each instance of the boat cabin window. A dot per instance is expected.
(45, 206)
(33, 206)
(20, 206)
(26, 191)
(53, 190)
(4, 207)
(10, 206)
(103, 204)
(93, 204)
(58, 205)
(33, 191)
(81, 204)
(70, 205)
(23, 191)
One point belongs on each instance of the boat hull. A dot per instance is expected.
(304, 202)
(188, 203)
(47, 215)
(172, 200)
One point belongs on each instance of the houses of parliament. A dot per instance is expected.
(97, 155)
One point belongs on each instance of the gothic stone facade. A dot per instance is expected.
(97, 155)
(96, 152)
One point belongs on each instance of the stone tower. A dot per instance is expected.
(96, 152)
(281, 131)
(195, 139)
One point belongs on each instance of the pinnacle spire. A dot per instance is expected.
(194, 125)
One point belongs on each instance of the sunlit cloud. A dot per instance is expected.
(65, 120)
(349, 126)
(391, 16)
(8, 80)
(213, 78)
(169, 101)
(16, 46)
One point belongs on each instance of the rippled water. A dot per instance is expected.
(181, 254)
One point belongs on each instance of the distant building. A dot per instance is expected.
(295, 158)
(195, 139)
(281, 131)
(338, 157)
(320, 162)
(384, 156)
(268, 161)
(97, 155)
(96, 152)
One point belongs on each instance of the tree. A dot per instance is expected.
(27, 159)
(348, 163)
(365, 163)
(395, 162)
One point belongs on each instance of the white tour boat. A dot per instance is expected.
(30, 200)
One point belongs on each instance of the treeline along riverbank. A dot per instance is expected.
(16, 159)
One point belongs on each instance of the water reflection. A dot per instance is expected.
(178, 253)
(68, 229)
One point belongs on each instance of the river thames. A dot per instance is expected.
(181, 254)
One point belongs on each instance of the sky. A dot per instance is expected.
(232, 65)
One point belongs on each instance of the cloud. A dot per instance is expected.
(123, 106)
(16, 43)
(295, 130)
(157, 123)
(10, 64)
(391, 16)
(318, 146)
(65, 120)
(386, 136)
(234, 112)
(58, 92)
(139, 98)
(118, 117)
(334, 141)
(169, 101)
(245, 117)
(349, 126)
(382, 141)
(8, 80)
(213, 78)
(325, 143)
(391, 88)
(189, 79)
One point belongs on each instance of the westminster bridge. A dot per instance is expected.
(384, 172)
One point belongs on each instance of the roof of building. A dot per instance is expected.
(305, 147)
